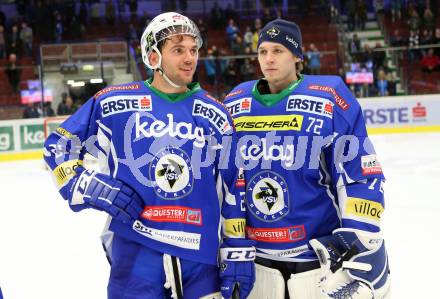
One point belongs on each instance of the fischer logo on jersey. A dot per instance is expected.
(119, 104)
(239, 106)
(277, 235)
(315, 105)
(215, 116)
(370, 165)
(173, 214)
(158, 128)
(291, 122)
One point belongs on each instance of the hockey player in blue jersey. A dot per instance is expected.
(314, 194)
(166, 175)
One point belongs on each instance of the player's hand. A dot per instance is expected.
(102, 192)
(237, 267)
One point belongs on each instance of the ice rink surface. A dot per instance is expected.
(49, 252)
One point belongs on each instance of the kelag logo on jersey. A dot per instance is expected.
(172, 172)
(291, 122)
(119, 104)
(315, 105)
(240, 106)
(267, 196)
(215, 116)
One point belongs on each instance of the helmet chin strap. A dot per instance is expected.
(168, 80)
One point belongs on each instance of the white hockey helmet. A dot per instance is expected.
(164, 26)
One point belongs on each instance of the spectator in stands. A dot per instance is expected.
(414, 21)
(48, 110)
(341, 73)
(66, 106)
(247, 70)
(425, 39)
(391, 84)
(378, 56)
(203, 32)
(231, 32)
(428, 20)
(2, 42)
(132, 35)
(230, 12)
(396, 12)
(248, 36)
(31, 111)
(230, 75)
(361, 15)
(257, 25)
(396, 39)
(382, 83)
(132, 6)
(26, 38)
(83, 13)
(367, 56)
(238, 46)
(14, 43)
(413, 42)
(183, 4)
(350, 9)
(314, 57)
(2, 18)
(59, 28)
(216, 16)
(248, 52)
(437, 40)
(76, 29)
(267, 17)
(110, 13)
(13, 72)
(430, 62)
(354, 47)
(210, 67)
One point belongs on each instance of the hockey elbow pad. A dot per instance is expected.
(237, 266)
(354, 264)
(90, 189)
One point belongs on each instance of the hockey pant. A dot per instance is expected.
(138, 272)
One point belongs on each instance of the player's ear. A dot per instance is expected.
(153, 58)
(297, 59)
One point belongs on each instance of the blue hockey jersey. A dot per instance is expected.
(173, 150)
(309, 166)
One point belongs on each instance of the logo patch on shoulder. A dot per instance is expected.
(340, 101)
(124, 103)
(215, 116)
(242, 105)
(370, 165)
(315, 105)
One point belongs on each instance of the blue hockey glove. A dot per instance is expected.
(354, 264)
(104, 193)
(237, 266)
